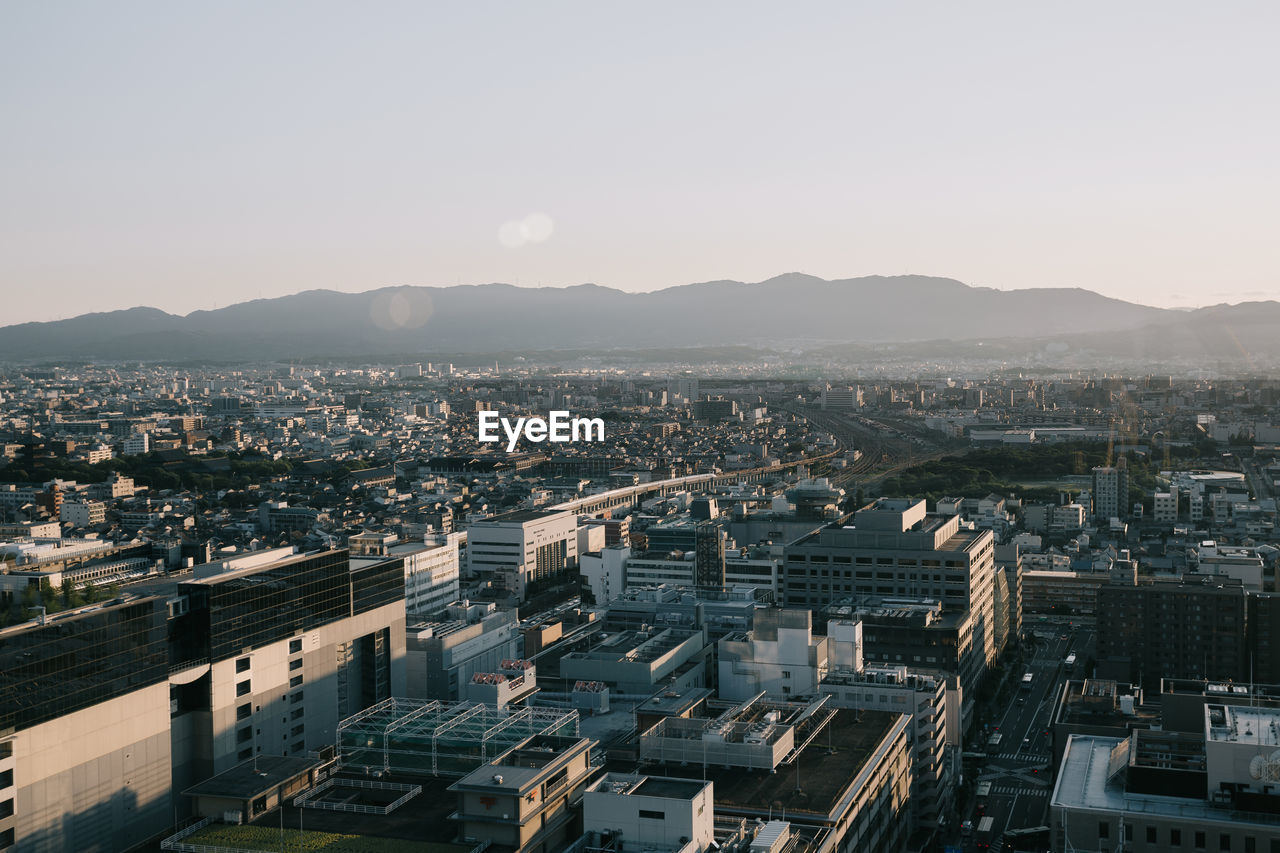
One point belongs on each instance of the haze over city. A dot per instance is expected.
(192, 156)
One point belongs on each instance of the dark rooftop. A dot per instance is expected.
(825, 769)
(248, 780)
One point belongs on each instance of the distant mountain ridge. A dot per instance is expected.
(788, 310)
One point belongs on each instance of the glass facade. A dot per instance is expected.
(376, 585)
(250, 610)
(74, 662)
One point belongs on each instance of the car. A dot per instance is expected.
(1022, 701)
(981, 809)
(966, 828)
(1026, 743)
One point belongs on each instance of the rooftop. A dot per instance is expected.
(521, 516)
(253, 777)
(1242, 724)
(1089, 779)
(825, 769)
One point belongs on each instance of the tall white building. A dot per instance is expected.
(521, 547)
(1111, 492)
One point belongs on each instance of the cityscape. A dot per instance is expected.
(569, 427)
(307, 606)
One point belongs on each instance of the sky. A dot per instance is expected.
(192, 155)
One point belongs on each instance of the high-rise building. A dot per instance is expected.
(84, 717)
(1195, 627)
(896, 549)
(108, 711)
(1111, 492)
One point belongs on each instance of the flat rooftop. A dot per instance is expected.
(247, 780)
(1087, 780)
(520, 516)
(825, 769)
(1242, 724)
(673, 704)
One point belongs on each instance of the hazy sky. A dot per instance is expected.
(186, 155)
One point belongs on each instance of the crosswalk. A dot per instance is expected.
(1017, 789)
(1028, 757)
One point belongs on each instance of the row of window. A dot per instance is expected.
(1175, 837)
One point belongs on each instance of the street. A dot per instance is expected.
(1019, 768)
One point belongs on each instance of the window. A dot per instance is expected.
(554, 782)
(298, 746)
(1151, 835)
(1175, 838)
(296, 663)
(295, 646)
(297, 713)
(297, 697)
(1200, 842)
(242, 689)
(245, 754)
(6, 838)
(296, 681)
(1224, 841)
(653, 815)
(245, 734)
(242, 665)
(1104, 829)
(243, 712)
(1250, 844)
(6, 808)
(6, 779)
(786, 674)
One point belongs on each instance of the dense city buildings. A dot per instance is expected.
(784, 599)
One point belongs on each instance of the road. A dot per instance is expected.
(1020, 772)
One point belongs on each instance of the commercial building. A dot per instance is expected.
(780, 656)
(443, 656)
(109, 710)
(521, 800)
(719, 612)
(640, 662)
(896, 549)
(523, 547)
(844, 782)
(636, 812)
(936, 736)
(84, 712)
(274, 649)
(431, 568)
(1099, 706)
(1165, 791)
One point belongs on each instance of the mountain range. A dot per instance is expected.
(792, 310)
